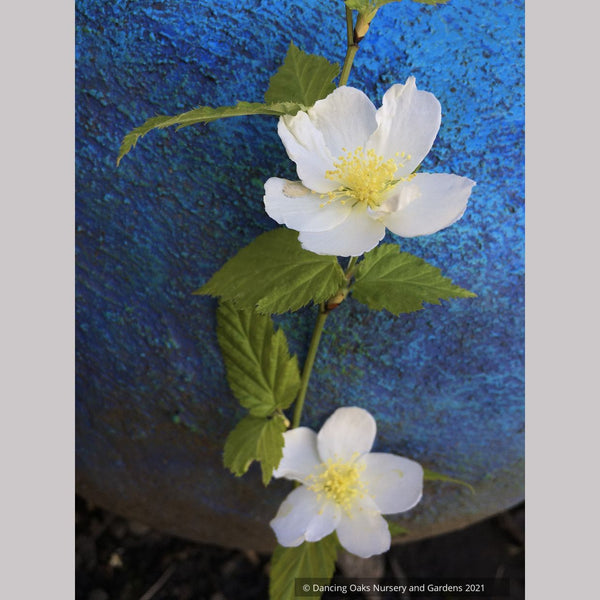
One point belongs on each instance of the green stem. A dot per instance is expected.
(349, 26)
(350, 50)
(308, 363)
(350, 267)
(323, 312)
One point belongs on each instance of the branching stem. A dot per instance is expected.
(323, 311)
(313, 347)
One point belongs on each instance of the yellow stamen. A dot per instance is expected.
(364, 176)
(339, 482)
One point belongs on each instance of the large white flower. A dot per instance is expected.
(355, 165)
(345, 487)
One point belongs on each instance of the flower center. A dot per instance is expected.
(339, 482)
(364, 176)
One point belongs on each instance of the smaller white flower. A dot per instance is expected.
(345, 488)
(356, 168)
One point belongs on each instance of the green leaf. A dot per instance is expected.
(429, 475)
(260, 371)
(310, 560)
(255, 438)
(303, 78)
(274, 274)
(205, 114)
(365, 7)
(396, 529)
(368, 6)
(431, 2)
(400, 282)
(360, 5)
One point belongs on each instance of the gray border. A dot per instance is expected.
(38, 301)
(562, 107)
(37, 422)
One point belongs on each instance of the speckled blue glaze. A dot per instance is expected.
(445, 384)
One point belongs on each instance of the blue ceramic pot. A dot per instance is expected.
(153, 409)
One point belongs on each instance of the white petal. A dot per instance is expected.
(349, 430)
(306, 146)
(395, 483)
(346, 118)
(397, 199)
(364, 531)
(294, 516)
(441, 200)
(302, 516)
(357, 234)
(293, 205)
(300, 455)
(408, 121)
(324, 522)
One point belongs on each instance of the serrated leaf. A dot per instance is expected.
(260, 371)
(205, 114)
(274, 274)
(429, 475)
(400, 282)
(310, 560)
(302, 78)
(255, 438)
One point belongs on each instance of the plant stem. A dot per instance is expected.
(350, 267)
(323, 312)
(308, 363)
(349, 26)
(350, 51)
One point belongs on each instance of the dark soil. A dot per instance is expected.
(117, 559)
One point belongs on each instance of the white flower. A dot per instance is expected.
(355, 165)
(345, 487)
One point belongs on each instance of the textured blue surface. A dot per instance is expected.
(445, 384)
